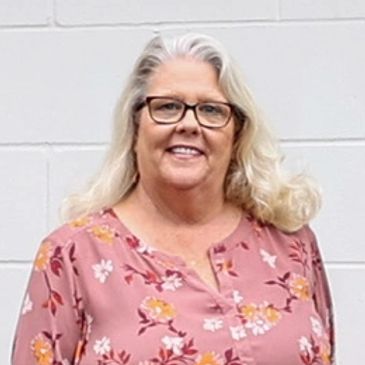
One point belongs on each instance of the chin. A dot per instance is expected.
(184, 182)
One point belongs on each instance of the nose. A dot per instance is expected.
(188, 123)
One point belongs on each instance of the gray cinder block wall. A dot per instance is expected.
(62, 66)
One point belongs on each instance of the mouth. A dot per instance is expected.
(185, 150)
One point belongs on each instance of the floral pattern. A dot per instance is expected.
(27, 305)
(43, 256)
(103, 270)
(98, 294)
(212, 324)
(259, 318)
(42, 350)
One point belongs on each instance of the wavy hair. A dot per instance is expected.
(255, 179)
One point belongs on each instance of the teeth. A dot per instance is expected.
(186, 151)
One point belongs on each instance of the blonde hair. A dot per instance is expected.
(255, 180)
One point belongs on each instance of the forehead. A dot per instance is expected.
(187, 78)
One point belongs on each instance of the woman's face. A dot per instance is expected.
(204, 161)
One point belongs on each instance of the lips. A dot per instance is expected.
(186, 150)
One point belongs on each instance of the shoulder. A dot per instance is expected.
(83, 230)
(270, 230)
(77, 244)
(303, 239)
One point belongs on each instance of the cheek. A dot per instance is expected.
(151, 140)
(143, 136)
(227, 146)
(140, 146)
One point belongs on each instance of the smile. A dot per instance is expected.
(185, 150)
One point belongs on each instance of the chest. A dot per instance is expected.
(203, 268)
(194, 251)
(145, 311)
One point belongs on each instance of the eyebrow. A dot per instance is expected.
(200, 99)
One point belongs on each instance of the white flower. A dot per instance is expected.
(237, 297)
(102, 346)
(305, 345)
(316, 326)
(173, 343)
(237, 332)
(27, 304)
(258, 326)
(212, 324)
(144, 248)
(102, 270)
(89, 321)
(171, 282)
(269, 259)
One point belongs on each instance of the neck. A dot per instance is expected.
(192, 206)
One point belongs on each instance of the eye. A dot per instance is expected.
(167, 105)
(211, 109)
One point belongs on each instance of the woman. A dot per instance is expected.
(190, 246)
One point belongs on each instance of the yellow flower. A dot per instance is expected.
(80, 222)
(299, 286)
(260, 318)
(158, 309)
(104, 233)
(325, 355)
(225, 265)
(271, 314)
(42, 350)
(44, 254)
(249, 311)
(209, 358)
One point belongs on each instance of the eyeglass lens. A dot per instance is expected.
(164, 110)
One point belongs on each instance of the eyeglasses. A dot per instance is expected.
(167, 110)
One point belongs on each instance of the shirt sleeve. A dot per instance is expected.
(48, 327)
(322, 294)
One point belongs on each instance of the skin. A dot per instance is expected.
(180, 183)
(180, 198)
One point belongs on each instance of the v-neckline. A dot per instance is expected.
(214, 249)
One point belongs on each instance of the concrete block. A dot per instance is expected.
(62, 86)
(351, 8)
(72, 12)
(25, 12)
(70, 170)
(13, 283)
(349, 301)
(23, 201)
(308, 9)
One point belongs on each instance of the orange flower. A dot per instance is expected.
(299, 286)
(104, 233)
(249, 311)
(209, 358)
(44, 254)
(325, 354)
(80, 222)
(260, 318)
(158, 309)
(42, 350)
(224, 266)
(271, 314)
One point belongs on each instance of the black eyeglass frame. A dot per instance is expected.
(233, 109)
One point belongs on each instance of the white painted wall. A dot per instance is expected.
(62, 66)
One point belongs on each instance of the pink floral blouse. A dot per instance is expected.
(98, 295)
